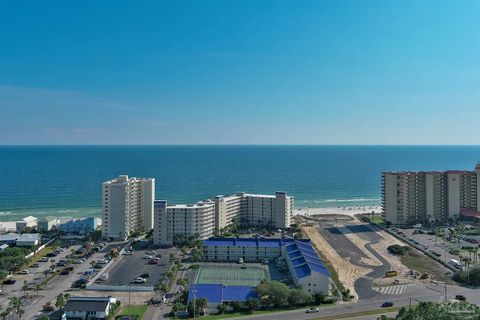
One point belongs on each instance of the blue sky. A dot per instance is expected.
(240, 72)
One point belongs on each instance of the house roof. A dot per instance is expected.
(87, 304)
(247, 242)
(9, 237)
(218, 293)
(29, 237)
(305, 259)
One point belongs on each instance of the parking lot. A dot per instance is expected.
(435, 245)
(130, 267)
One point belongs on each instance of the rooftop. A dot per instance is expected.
(9, 236)
(305, 259)
(29, 237)
(248, 242)
(87, 304)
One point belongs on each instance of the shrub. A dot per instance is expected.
(398, 250)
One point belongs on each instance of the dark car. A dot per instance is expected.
(387, 304)
(144, 275)
(71, 268)
(65, 272)
(51, 254)
(460, 297)
(9, 281)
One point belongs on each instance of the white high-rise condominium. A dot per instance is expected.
(433, 196)
(199, 221)
(127, 206)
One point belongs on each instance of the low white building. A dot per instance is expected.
(27, 222)
(89, 307)
(45, 224)
(28, 240)
(9, 238)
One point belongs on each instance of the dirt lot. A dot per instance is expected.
(358, 252)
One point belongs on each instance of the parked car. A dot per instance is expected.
(313, 310)
(144, 275)
(51, 254)
(26, 271)
(9, 281)
(460, 297)
(139, 280)
(147, 257)
(127, 253)
(35, 265)
(43, 259)
(65, 272)
(387, 304)
(48, 307)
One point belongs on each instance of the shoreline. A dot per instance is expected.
(82, 212)
(344, 210)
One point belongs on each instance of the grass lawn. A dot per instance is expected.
(40, 255)
(134, 311)
(378, 219)
(421, 263)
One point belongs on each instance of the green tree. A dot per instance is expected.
(298, 297)
(25, 287)
(60, 301)
(318, 298)
(221, 308)
(15, 305)
(273, 292)
(200, 306)
(236, 305)
(253, 304)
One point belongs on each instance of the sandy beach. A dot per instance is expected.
(350, 211)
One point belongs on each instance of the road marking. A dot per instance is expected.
(395, 289)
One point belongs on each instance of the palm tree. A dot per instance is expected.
(38, 286)
(25, 287)
(60, 301)
(15, 305)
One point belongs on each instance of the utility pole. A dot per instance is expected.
(194, 291)
(445, 298)
(129, 293)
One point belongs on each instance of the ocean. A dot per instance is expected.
(65, 181)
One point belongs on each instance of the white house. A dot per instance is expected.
(89, 307)
(28, 240)
(27, 222)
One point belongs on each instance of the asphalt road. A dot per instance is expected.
(130, 267)
(423, 293)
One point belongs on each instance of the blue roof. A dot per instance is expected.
(218, 293)
(305, 259)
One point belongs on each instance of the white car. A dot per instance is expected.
(24, 272)
(151, 252)
(127, 253)
(147, 257)
(140, 280)
(313, 310)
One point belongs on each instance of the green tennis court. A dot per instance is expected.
(232, 275)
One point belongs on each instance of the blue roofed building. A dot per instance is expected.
(219, 293)
(305, 266)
